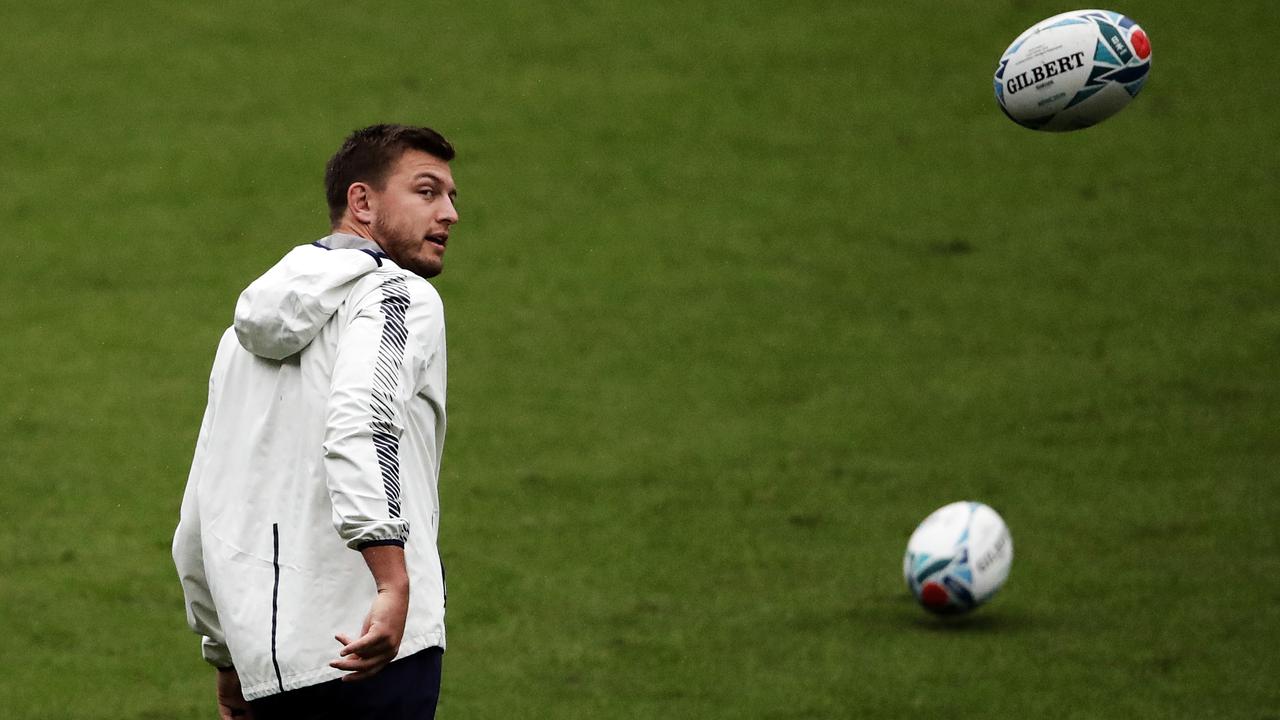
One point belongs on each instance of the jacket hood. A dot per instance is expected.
(281, 312)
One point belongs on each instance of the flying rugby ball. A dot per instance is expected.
(958, 558)
(1072, 70)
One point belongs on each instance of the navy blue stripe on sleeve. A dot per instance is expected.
(386, 380)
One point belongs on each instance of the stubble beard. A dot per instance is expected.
(400, 246)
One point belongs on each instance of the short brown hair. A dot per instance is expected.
(368, 154)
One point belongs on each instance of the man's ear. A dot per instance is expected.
(360, 203)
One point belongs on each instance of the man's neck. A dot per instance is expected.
(347, 227)
(343, 238)
(360, 230)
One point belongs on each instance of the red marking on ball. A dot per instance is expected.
(934, 595)
(1141, 44)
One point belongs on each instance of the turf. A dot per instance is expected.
(740, 294)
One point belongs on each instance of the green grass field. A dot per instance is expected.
(738, 297)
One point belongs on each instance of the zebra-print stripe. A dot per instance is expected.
(386, 379)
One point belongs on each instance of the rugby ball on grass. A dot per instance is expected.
(1072, 70)
(958, 558)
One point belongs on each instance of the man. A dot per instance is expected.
(307, 540)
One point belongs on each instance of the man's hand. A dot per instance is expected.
(379, 640)
(231, 702)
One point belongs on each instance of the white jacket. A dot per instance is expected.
(323, 433)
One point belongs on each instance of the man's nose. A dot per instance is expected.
(449, 213)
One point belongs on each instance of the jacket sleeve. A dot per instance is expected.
(188, 556)
(372, 382)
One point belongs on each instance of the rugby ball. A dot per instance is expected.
(958, 558)
(1072, 70)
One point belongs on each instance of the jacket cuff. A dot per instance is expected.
(215, 653)
(379, 543)
(361, 533)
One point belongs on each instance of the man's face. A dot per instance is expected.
(414, 211)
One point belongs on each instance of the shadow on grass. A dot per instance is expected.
(902, 613)
(987, 620)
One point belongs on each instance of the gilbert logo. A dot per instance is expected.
(1043, 72)
(994, 553)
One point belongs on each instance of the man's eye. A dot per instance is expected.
(428, 192)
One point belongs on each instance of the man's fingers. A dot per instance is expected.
(368, 668)
(367, 644)
(361, 665)
(353, 663)
(378, 643)
(365, 656)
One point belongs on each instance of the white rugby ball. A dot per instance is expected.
(1072, 70)
(958, 557)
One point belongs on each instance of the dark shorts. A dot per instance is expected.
(406, 689)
